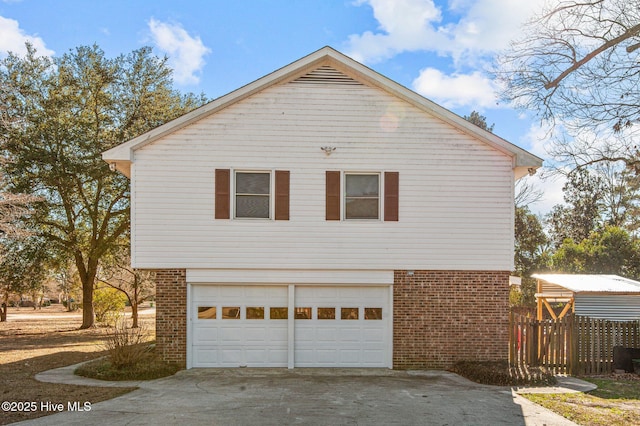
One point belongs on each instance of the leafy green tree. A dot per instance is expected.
(582, 213)
(621, 196)
(531, 255)
(479, 120)
(23, 268)
(61, 114)
(531, 242)
(609, 251)
(612, 251)
(569, 258)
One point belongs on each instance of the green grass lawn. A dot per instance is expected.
(616, 402)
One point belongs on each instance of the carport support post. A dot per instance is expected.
(290, 326)
(539, 300)
(539, 327)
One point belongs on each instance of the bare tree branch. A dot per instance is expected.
(632, 32)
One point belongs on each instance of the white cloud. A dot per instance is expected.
(457, 90)
(482, 27)
(13, 39)
(405, 24)
(186, 53)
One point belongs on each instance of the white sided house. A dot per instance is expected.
(325, 216)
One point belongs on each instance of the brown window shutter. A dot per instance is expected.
(391, 184)
(223, 194)
(333, 195)
(282, 195)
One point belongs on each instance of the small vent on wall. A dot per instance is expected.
(326, 74)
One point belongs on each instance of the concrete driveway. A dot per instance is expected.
(312, 396)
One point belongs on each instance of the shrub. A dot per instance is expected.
(150, 367)
(501, 374)
(108, 305)
(126, 346)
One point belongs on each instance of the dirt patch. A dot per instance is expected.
(32, 341)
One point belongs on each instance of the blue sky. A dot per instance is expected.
(441, 49)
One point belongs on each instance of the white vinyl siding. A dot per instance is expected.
(455, 203)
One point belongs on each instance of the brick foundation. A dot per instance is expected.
(171, 315)
(440, 317)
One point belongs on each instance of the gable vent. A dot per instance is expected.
(327, 75)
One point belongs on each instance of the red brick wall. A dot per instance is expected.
(440, 317)
(171, 315)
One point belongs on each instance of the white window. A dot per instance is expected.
(362, 196)
(253, 195)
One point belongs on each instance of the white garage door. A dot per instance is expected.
(334, 326)
(348, 327)
(230, 328)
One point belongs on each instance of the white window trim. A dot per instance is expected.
(343, 195)
(272, 189)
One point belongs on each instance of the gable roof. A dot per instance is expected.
(524, 162)
(578, 283)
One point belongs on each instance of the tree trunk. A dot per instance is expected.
(134, 314)
(67, 296)
(3, 307)
(87, 278)
(88, 317)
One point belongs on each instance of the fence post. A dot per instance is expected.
(572, 345)
(512, 337)
(534, 348)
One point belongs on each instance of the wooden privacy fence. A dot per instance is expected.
(571, 345)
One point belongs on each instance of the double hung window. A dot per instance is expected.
(362, 196)
(253, 195)
(248, 194)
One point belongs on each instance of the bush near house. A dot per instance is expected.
(108, 305)
(130, 356)
(499, 373)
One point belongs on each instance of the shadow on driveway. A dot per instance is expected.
(313, 396)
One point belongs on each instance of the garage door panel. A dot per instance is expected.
(255, 334)
(351, 357)
(373, 335)
(255, 355)
(327, 356)
(349, 334)
(279, 333)
(231, 334)
(206, 335)
(326, 334)
(230, 356)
